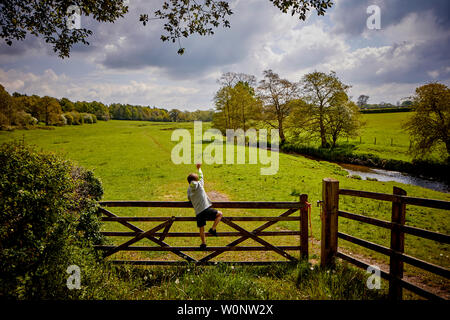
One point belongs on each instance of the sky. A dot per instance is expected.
(127, 62)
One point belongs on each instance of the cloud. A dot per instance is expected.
(127, 62)
(349, 16)
(140, 47)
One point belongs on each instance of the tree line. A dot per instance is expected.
(23, 111)
(318, 107)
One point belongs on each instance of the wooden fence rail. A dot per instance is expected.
(399, 199)
(160, 232)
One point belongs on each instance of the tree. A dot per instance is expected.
(245, 102)
(321, 92)
(6, 108)
(49, 110)
(49, 18)
(66, 105)
(174, 115)
(230, 79)
(236, 106)
(343, 119)
(362, 101)
(429, 127)
(234, 101)
(276, 95)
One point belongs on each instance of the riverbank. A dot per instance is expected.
(425, 170)
(366, 173)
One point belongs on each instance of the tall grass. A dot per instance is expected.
(276, 282)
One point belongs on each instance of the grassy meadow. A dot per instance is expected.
(382, 135)
(133, 160)
(392, 142)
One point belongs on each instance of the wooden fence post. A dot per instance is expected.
(304, 227)
(330, 206)
(397, 244)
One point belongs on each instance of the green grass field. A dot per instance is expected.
(133, 160)
(392, 142)
(382, 135)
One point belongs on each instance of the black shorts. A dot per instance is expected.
(206, 215)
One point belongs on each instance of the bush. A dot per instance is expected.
(69, 118)
(77, 119)
(63, 119)
(48, 221)
(87, 118)
(23, 119)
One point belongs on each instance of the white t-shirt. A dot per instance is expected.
(197, 195)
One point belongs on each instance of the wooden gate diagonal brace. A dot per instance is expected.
(166, 229)
(243, 238)
(149, 237)
(258, 239)
(138, 238)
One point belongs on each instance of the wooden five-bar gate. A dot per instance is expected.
(159, 233)
(330, 215)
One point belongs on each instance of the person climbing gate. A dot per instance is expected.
(202, 205)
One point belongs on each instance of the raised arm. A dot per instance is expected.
(200, 175)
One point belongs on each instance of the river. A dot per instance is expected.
(387, 175)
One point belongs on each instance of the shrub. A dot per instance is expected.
(63, 119)
(77, 119)
(23, 119)
(87, 118)
(48, 221)
(69, 118)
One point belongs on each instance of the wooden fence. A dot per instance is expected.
(330, 234)
(162, 231)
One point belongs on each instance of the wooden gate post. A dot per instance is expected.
(304, 227)
(397, 244)
(330, 206)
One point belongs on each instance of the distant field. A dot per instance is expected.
(133, 160)
(392, 142)
(383, 136)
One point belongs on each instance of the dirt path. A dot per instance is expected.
(217, 196)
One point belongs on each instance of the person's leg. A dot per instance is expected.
(202, 234)
(217, 220)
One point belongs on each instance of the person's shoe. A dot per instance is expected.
(203, 246)
(213, 232)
